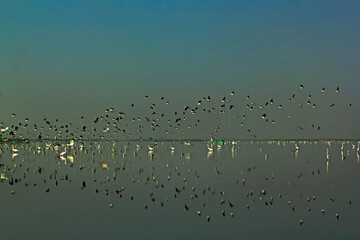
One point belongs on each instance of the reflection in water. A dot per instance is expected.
(242, 181)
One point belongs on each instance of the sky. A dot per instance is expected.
(71, 58)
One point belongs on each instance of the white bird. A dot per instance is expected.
(296, 147)
(327, 154)
(71, 143)
(4, 129)
(14, 150)
(62, 153)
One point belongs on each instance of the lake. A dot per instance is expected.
(179, 189)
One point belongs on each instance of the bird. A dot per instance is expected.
(14, 150)
(63, 153)
(186, 208)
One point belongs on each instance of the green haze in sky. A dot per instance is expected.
(71, 58)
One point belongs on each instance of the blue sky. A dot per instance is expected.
(71, 56)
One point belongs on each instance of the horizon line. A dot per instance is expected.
(3, 140)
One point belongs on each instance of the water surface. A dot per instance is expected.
(179, 190)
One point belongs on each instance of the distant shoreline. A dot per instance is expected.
(26, 140)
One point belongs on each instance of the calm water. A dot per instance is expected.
(113, 190)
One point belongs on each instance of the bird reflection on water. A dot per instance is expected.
(188, 180)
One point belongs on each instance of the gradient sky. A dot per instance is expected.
(66, 57)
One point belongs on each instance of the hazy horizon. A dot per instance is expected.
(67, 59)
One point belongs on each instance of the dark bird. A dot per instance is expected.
(186, 208)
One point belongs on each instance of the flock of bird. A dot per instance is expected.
(240, 116)
(69, 150)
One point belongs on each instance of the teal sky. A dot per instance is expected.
(66, 57)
